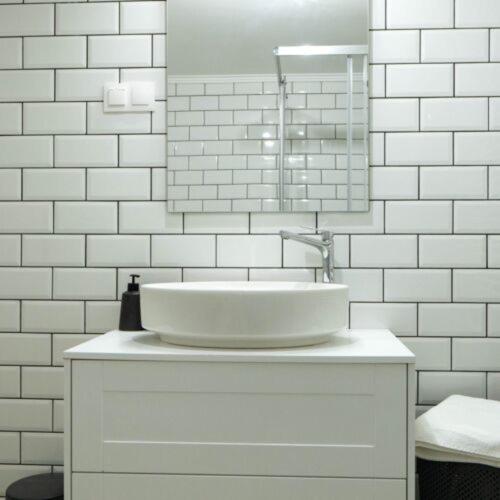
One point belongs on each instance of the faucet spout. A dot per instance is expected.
(324, 245)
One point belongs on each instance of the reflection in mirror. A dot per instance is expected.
(268, 105)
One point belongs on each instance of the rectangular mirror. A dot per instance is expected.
(267, 105)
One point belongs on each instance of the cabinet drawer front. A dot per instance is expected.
(239, 419)
(156, 487)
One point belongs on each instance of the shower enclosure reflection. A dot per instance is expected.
(268, 105)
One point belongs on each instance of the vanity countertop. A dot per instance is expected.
(353, 346)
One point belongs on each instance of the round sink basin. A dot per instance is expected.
(244, 314)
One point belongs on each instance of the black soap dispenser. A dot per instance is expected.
(130, 314)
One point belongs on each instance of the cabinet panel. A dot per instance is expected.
(287, 419)
(156, 487)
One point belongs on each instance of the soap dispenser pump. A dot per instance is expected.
(130, 314)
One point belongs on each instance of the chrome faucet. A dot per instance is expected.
(324, 245)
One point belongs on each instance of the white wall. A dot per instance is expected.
(424, 262)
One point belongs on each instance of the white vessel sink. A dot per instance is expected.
(244, 314)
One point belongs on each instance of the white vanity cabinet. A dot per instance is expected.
(147, 420)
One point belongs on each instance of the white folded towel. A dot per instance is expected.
(460, 429)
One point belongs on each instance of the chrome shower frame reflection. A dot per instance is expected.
(322, 50)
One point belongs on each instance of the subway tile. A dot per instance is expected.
(119, 51)
(11, 473)
(55, 52)
(52, 316)
(26, 20)
(10, 249)
(479, 13)
(83, 84)
(363, 222)
(148, 218)
(25, 283)
(10, 118)
(434, 387)
(494, 386)
(365, 285)
(454, 114)
(383, 251)
(87, 19)
(84, 284)
(395, 46)
(494, 251)
(452, 320)
(10, 184)
(401, 319)
(389, 183)
(495, 45)
(53, 250)
(42, 382)
(86, 151)
(159, 50)
(494, 182)
(53, 184)
(54, 118)
(249, 251)
(143, 17)
(9, 316)
(420, 80)
(118, 184)
(42, 448)
(117, 251)
(272, 223)
(11, 53)
(476, 285)
(419, 148)
(86, 217)
(25, 217)
(477, 217)
(431, 354)
(417, 285)
(452, 251)
(143, 150)
(10, 383)
(438, 183)
(409, 217)
(494, 113)
(183, 251)
(116, 123)
(267, 274)
(455, 45)
(377, 14)
(58, 417)
(24, 349)
(477, 148)
(493, 320)
(476, 354)
(155, 75)
(25, 415)
(389, 115)
(102, 317)
(26, 151)
(26, 85)
(423, 14)
(477, 79)
(204, 223)
(63, 342)
(148, 276)
(10, 448)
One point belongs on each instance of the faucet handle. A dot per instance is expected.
(319, 230)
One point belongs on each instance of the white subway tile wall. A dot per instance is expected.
(82, 199)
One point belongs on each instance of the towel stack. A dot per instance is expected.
(460, 429)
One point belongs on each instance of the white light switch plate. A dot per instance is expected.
(130, 97)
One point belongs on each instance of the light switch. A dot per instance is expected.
(129, 97)
(117, 97)
(143, 93)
